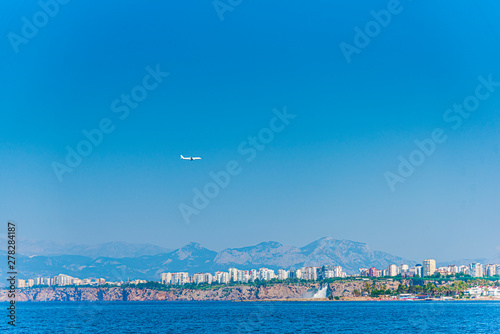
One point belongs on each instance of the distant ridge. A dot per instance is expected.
(109, 249)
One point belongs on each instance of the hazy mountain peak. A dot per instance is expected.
(193, 245)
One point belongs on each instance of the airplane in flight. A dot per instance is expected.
(190, 158)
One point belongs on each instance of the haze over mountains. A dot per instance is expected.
(122, 261)
(110, 249)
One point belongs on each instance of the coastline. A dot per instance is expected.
(336, 292)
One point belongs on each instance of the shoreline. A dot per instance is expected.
(367, 299)
(341, 292)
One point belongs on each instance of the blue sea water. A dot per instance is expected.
(257, 317)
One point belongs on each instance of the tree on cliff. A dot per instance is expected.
(401, 289)
(430, 288)
(368, 288)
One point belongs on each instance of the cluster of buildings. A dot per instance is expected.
(426, 269)
(61, 280)
(245, 276)
(483, 291)
(429, 268)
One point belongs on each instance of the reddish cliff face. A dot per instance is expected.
(277, 291)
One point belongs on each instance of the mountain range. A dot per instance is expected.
(130, 261)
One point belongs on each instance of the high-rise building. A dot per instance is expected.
(243, 276)
(309, 273)
(175, 278)
(337, 271)
(199, 278)
(429, 267)
(266, 274)
(62, 280)
(419, 270)
(464, 270)
(326, 272)
(253, 275)
(282, 274)
(166, 278)
(298, 274)
(393, 270)
(491, 270)
(476, 270)
(221, 277)
(233, 274)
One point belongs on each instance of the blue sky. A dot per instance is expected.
(322, 175)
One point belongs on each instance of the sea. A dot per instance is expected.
(256, 317)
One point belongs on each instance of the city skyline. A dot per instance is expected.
(308, 273)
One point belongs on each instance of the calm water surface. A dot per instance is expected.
(253, 317)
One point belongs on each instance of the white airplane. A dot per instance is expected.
(190, 158)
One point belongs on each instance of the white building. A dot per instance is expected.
(243, 276)
(221, 277)
(464, 270)
(175, 278)
(199, 278)
(21, 283)
(166, 278)
(180, 278)
(491, 270)
(309, 273)
(233, 274)
(298, 274)
(392, 270)
(283, 274)
(266, 274)
(209, 278)
(481, 291)
(429, 267)
(63, 280)
(253, 275)
(476, 270)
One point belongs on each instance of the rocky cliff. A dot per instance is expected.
(242, 292)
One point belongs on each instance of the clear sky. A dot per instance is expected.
(324, 174)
